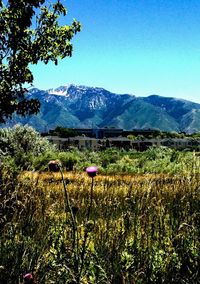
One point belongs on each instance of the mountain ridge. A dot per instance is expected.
(75, 106)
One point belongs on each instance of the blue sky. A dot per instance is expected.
(140, 47)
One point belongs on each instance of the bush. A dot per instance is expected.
(23, 144)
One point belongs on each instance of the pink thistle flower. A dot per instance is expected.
(54, 165)
(92, 171)
(28, 278)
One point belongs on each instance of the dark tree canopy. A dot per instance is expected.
(64, 132)
(29, 33)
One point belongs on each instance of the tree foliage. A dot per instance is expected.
(64, 132)
(29, 33)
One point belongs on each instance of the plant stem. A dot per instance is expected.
(91, 199)
(73, 220)
(86, 232)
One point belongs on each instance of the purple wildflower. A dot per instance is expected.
(92, 171)
(28, 278)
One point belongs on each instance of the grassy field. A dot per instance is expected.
(120, 229)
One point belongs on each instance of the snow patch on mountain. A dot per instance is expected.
(57, 92)
(64, 90)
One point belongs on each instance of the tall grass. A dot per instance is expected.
(142, 228)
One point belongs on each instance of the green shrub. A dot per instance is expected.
(23, 144)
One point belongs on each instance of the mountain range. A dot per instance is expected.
(87, 107)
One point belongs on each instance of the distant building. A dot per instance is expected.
(180, 143)
(120, 142)
(144, 132)
(102, 139)
(99, 133)
(81, 142)
(61, 143)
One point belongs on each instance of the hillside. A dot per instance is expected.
(80, 106)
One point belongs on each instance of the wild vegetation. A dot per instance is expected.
(137, 221)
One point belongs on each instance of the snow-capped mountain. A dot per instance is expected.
(81, 106)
